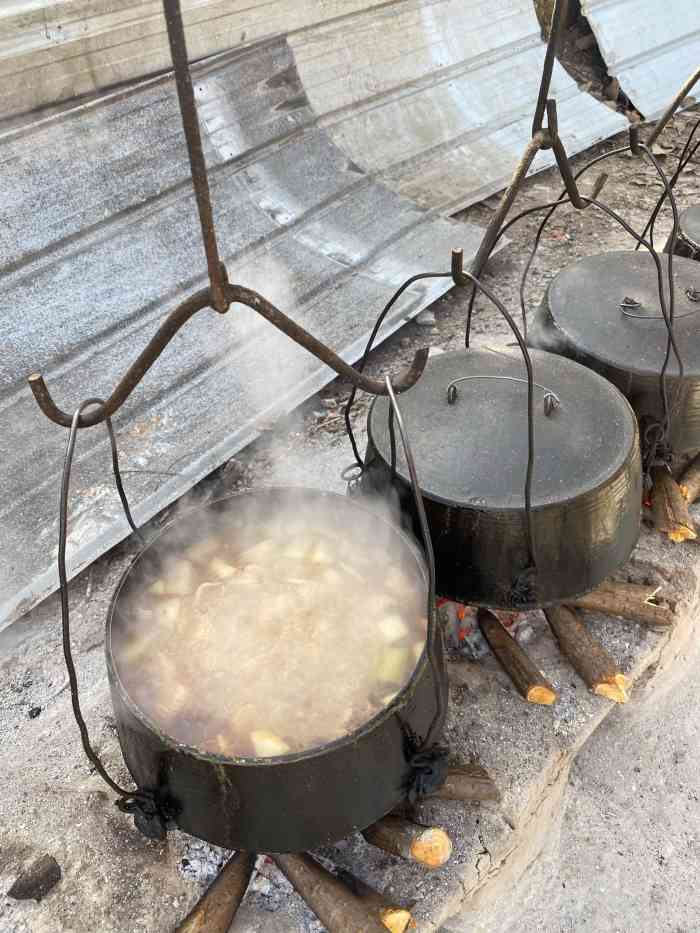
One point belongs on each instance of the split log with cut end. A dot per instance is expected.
(428, 845)
(627, 601)
(527, 678)
(395, 919)
(669, 509)
(215, 910)
(468, 782)
(589, 659)
(338, 909)
(690, 481)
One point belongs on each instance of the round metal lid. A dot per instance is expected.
(474, 452)
(690, 225)
(586, 302)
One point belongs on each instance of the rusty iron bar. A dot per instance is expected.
(509, 195)
(543, 137)
(673, 106)
(560, 15)
(198, 167)
(233, 294)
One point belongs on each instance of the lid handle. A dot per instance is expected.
(551, 400)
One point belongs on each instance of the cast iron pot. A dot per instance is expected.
(603, 311)
(471, 457)
(289, 803)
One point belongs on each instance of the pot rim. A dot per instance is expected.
(400, 700)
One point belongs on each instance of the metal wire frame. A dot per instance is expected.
(142, 802)
(462, 278)
(683, 160)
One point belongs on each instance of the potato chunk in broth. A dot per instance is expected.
(264, 638)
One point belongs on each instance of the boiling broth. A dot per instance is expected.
(265, 638)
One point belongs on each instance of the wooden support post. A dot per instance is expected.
(527, 678)
(338, 909)
(588, 658)
(627, 601)
(669, 509)
(690, 481)
(215, 910)
(428, 845)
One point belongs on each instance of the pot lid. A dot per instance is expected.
(592, 302)
(474, 452)
(690, 225)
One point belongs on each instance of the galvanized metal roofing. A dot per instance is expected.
(100, 240)
(316, 125)
(651, 47)
(434, 97)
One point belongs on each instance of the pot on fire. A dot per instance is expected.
(288, 802)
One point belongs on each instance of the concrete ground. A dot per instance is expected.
(628, 858)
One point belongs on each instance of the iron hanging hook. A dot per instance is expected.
(234, 294)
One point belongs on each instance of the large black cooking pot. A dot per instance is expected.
(471, 459)
(294, 802)
(604, 312)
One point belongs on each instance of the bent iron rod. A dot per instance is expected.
(673, 106)
(233, 294)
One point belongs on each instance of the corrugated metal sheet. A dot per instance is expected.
(99, 240)
(434, 97)
(314, 133)
(437, 97)
(651, 47)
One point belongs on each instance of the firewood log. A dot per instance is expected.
(588, 658)
(527, 679)
(690, 481)
(215, 910)
(468, 782)
(428, 845)
(627, 601)
(395, 919)
(338, 909)
(669, 509)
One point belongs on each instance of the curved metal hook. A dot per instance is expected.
(234, 294)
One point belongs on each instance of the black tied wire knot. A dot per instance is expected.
(428, 768)
(656, 451)
(523, 590)
(150, 811)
